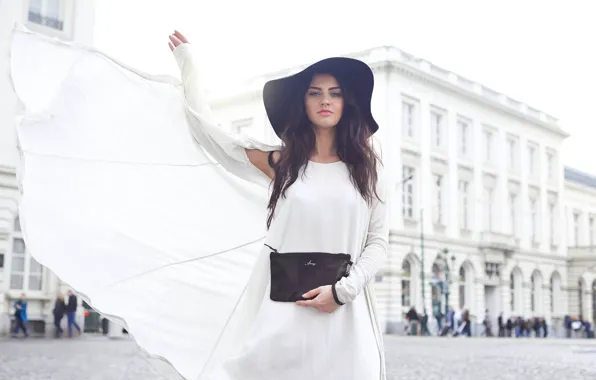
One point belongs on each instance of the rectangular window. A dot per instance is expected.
(488, 146)
(488, 208)
(463, 129)
(35, 274)
(513, 213)
(531, 161)
(17, 267)
(408, 193)
(463, 187)
(533, 219)
(591, 229)
(47, 13)
(512, 145)
(407, 114)
(437, 120)
(550, 165)
(25, 272)
(576, 229)
(551, 223)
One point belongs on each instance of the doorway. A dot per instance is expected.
(491, 303)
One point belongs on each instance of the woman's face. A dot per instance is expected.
(323, 101)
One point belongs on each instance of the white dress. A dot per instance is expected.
(323, 212)
(132, 195)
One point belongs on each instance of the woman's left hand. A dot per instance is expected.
(176, 39)
(323, 301)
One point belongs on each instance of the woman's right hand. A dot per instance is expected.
(176, 39)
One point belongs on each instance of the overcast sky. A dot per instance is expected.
(538, 52)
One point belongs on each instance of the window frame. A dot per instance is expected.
(66, 17)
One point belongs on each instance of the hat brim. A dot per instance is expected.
(279, 94)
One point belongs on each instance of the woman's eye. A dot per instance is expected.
(336, 94)
(313, 93)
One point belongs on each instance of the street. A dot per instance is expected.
(95, 358)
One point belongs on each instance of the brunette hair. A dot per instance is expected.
(352, 138)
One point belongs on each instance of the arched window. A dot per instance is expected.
(406, 281)
(580, 295)
(555, 293)
(512, 292)
(462, 287)
(536, 292)
(515, 290)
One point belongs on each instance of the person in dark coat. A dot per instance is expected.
(509, 327)
(59, 311)
(71, 310)
(501, 325)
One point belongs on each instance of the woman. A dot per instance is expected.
(185, 244)
(327, 174)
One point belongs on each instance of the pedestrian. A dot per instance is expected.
(71, 313)
(537, 326)
(59, 311)
(465, 327)
(424, 331)
(413, 319)
(509, 327)
(199, 293)
(501, 325)
(544, 327)
(20, 316)
(567, 321)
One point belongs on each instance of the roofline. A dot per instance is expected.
(586, 177)
(392, 57)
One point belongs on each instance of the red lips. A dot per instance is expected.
(325, 112)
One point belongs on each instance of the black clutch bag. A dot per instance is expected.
(295, 273)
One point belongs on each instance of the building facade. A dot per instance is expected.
(580, 212)
(19, 272)
(485, 209)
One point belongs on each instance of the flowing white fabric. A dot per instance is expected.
(121, 203)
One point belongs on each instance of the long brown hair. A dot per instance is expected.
(352, 140)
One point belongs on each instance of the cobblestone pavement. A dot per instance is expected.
(98, 358)
(490, 359)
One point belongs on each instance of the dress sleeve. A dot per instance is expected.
(375, 249)
(227, 149)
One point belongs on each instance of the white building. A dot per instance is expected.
(488, 189)
(19, 272)
(580, 211)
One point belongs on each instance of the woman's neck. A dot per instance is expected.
(325, 148)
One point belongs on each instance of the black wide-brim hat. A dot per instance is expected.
(353, 74)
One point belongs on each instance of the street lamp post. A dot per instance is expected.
(447, 272)
(445, 256)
